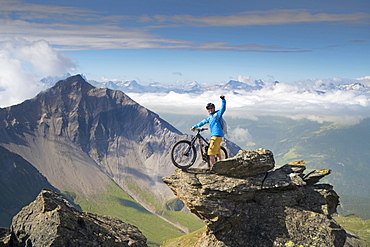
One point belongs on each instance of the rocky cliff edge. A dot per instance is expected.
(246, 201)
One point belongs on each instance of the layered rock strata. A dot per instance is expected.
(245, 201)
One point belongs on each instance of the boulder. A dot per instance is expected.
(246, 163)
(260, 206)
(51, 220)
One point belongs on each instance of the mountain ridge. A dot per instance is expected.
(76, 121)
(132, 86)
(83, 138)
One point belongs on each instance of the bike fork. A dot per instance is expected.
(187, 151)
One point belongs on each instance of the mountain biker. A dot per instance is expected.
(214, 119)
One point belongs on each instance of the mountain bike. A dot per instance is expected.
(184, 152)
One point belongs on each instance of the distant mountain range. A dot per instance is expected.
(132, 86)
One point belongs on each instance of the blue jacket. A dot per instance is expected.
(214, 124)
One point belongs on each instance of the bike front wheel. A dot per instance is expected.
(183, 154)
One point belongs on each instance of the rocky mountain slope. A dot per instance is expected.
(81, 138)
(20, 183)
(75, 135)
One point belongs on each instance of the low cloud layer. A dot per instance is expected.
(294, 101)
(23, 64)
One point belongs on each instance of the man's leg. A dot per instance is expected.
(212, 159)
(218, 156)
(214, 149)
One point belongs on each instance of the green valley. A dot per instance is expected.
(115, 202)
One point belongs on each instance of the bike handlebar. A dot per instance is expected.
(201, 129)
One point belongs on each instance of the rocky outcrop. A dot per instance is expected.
(51, 221)
(245, 201)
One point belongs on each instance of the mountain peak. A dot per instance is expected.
(73, 83)
(87, 133)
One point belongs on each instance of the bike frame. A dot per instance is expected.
(200, 139)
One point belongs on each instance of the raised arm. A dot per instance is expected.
(223, 105)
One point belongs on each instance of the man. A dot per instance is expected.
(215, 124)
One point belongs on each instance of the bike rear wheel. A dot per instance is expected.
(223, 153)
(183, 154)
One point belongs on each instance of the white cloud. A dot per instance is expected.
(105, 79)
(294, 101)
(43, 58)
(23, 64)
(364, 80)
(241, 135)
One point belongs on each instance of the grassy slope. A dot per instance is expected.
(115, 202)
(188, 220)
(186, 240)
(356, 226)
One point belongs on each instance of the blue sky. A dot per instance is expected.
(171, 41)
